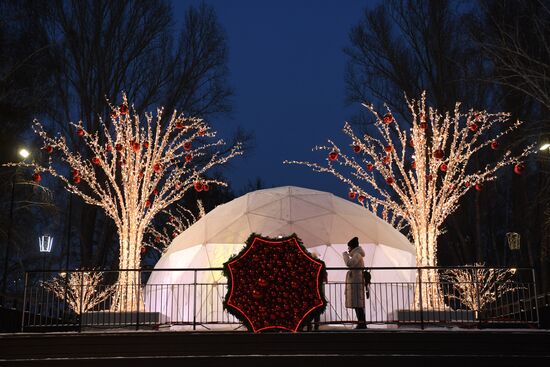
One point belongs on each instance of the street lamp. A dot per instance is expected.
(45, 243)
(23, 154)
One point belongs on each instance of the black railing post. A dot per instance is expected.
(195, 299)
(420, 298)
(81, 299)
(478, 301)
(138, 297)
(536, 297)
(24, 302)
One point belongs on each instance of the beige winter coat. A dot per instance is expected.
(355, 283)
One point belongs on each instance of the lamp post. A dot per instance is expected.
(45, 244)
(23, 154)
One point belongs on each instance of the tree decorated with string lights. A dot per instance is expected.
(133, 169)
(415, 177)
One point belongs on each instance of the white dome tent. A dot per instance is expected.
(324, 223)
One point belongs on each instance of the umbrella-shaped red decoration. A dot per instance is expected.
(274, 284)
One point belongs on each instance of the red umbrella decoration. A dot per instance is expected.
(274, 284)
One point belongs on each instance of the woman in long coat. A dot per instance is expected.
(355, 283)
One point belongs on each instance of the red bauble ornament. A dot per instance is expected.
(386, 160)
(157, 239)
(147, 203)
(187, 145)
(473, 127)
(75, 173)
(519, 168)
(422, 117)
(477, 116)
(171, 219)
(370, 166)
(333, 156)
(443, 167)
(356, 148)
(155, 191)
(388, 118)
(48, 149)
(179, 125)
(118, 147)
(157, 168)
(430, 177)
(136, 146)
(80, 131)
(411, 143)
(494, 145)
(439, 154)
(423, 125)
(108, 147)
(76, 179)
(413, 164)
(390, 180)
(198, 186)
(96, 161)
(143, 249)
(178, 185)
(123, 109)
(145, 145)
(113, 114)
(466, 184)
(388, 148)
(140, 174)
(352, 195)
(479, 187)
(36, 177)
(205, 187)
(202, 132)
(361, 199)
(263, 282)
(188, 157)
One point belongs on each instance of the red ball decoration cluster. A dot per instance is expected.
(273, 284)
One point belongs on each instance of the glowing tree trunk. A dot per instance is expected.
(415, 177)
(137, 168)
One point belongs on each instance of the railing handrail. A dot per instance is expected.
(328, 268)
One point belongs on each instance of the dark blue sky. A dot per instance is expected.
(287, 70)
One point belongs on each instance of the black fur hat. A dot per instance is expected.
(353, 243)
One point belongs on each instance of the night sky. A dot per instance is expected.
(287, 68)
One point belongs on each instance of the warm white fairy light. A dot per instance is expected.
(135, 169)
(478, 286)
(81, 291)
(423, 192)
(179, 219)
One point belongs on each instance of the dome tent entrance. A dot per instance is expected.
(323, 221)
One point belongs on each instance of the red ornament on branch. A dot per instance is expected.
(443, 167)
(118, 147)
(205, 187)
(76, 179)
(386, 160)
(423, 125)
(519, 168)
(413, 164)
(49, 149)
(333, 156)
(473, 127)
(357, 148)
(80, 132)
(188, 157)
(202, 132)
(96, 161)
(36, 177)
(494, 145)
(370, 166)
(439, 154)
(123, 109)
(143, 249)
(388, 148)
(157, 168)
(147, 203)
(390, 180)
(179, 125)
(198, 186)
(187, 145)
(136, 146)
(352, 195)
(361, 199)
(388, 118)
(479, 186)
(145, 145)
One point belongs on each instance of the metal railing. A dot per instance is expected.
(396, 296)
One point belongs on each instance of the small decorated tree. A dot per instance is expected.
(133, 169)
(477, 286)
(81, 290)
(415, 177)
